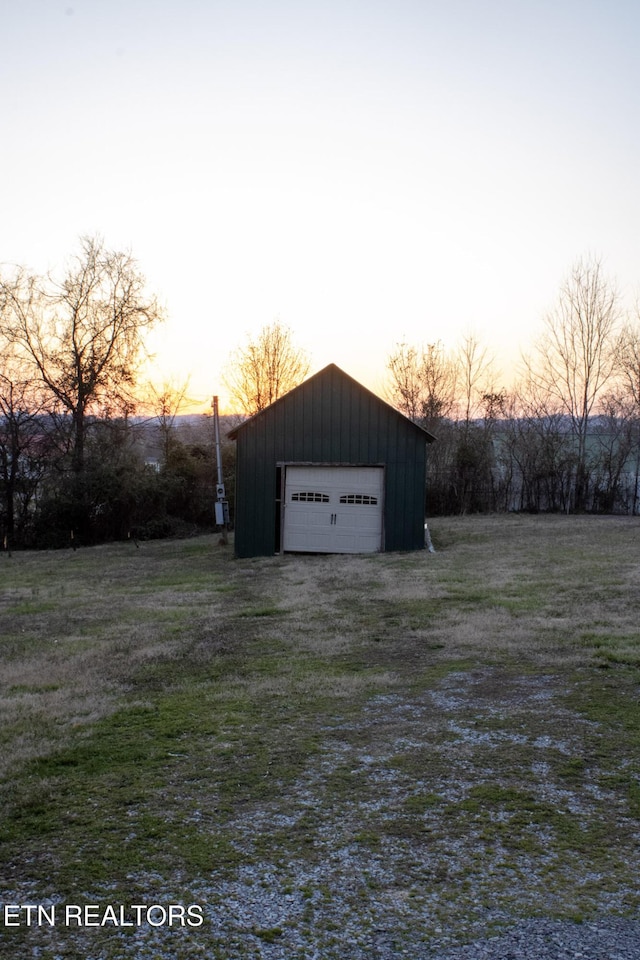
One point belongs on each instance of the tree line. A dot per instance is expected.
(83, 456)
(87, 454)
(565, 437)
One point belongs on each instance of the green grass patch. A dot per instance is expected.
(262, 612)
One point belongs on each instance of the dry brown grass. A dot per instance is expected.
(411, 740)
(548, 591)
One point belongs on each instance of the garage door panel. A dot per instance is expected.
(308, 518)
(333, 509)
(300, 542)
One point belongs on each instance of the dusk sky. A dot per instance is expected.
(366, 172)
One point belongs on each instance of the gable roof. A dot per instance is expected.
(330, 370)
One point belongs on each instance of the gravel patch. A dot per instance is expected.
(610, 939)
(396, 864)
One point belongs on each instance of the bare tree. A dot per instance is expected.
(265, 369)
(628, 367)
(24, 444)
(613, 436)
(444, 394)
(541, 448)
(628, 361)
(475, 376)
(574, 359)
(473, 480)
(422, 383)
(83, 334)
(406, 389)
(165, 403)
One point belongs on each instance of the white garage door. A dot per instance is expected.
(333, 509)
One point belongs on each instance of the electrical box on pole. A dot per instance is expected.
(221, 505)
(222, 513)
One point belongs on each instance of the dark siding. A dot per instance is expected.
(329, 419)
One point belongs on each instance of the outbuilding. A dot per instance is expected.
(329, 468)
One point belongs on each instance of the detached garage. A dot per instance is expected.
(329, 468)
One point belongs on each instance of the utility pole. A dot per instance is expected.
(221, 506)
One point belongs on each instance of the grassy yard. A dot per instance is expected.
(331, 754)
